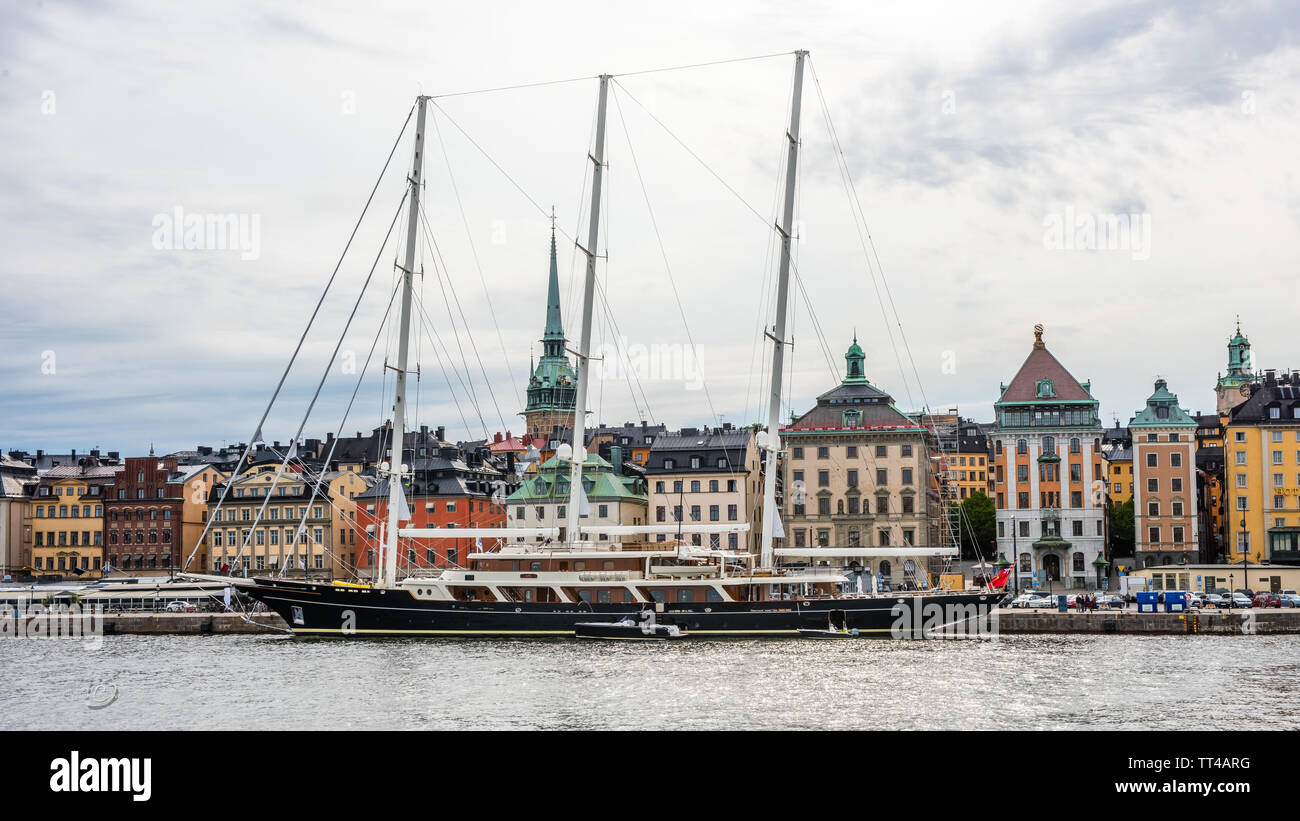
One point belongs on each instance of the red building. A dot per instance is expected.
(143, 518)
(450, 490)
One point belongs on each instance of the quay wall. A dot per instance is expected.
(1241, 622)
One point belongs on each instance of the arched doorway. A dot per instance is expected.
(1052, 567)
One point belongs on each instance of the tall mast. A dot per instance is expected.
(778, 331)
(397, 438)
(584, 340)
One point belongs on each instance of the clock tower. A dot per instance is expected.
(1233, 388)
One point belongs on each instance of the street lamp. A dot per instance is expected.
(1015, 553)
(1245, 555)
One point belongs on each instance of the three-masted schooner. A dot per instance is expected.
(545, 586)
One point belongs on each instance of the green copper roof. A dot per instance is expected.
(854, 358)
(1162, 410)
(601, 482)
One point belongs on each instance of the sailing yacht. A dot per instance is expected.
(548, 581)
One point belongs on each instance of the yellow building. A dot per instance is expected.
(1118, 464)
(1262, 469)
(63, 529)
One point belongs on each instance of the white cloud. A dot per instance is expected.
(963, 125)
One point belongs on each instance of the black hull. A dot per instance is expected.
(359, 612)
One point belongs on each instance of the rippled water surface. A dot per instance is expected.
(1023, 682)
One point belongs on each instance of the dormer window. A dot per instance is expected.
(669, 464)
(852, 418)
(1043, 389)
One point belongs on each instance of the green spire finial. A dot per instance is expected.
(854, 373)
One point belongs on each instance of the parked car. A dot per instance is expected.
(1266, 600)
(1239, 600)
(1111, 601)
(1042, 601)
(1290, 599)
(1214, 600)
(180, 607)
(1195, 600)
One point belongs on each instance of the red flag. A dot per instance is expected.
(1000, 580)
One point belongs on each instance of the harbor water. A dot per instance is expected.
(1014, 682)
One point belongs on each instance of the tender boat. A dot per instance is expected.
(837, 628)
(642, 628)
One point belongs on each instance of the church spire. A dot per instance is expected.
(553, 338)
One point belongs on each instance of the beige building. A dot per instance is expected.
(857, 474)
(326, 544)
(710, 476)
(197, 483)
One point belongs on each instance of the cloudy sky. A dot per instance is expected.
(985, 142)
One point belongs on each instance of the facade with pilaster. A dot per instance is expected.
(1048, 474)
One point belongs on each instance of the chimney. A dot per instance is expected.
(616, 457)
(441, 433)
(39, 453)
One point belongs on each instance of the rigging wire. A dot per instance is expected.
(257, 432)
(663, 253)
(329, 366)
(443, 273)
(597, 77)
(498, 167)
(487, 293)
(427, 324)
